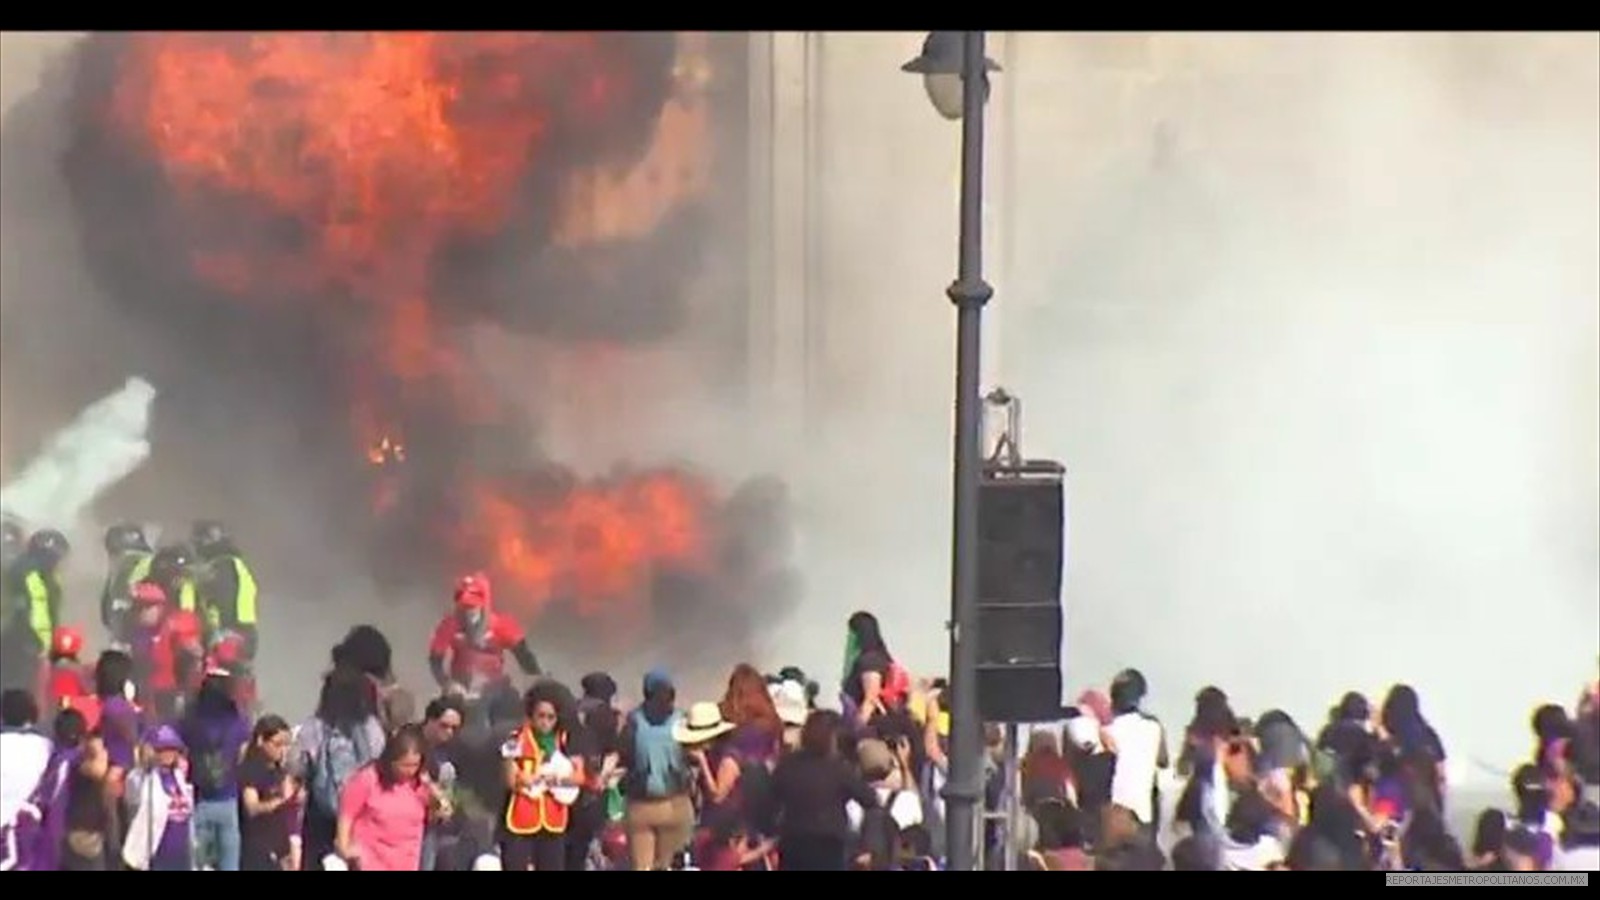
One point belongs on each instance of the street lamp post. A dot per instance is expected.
(956, 75)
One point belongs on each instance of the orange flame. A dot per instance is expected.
(378, 149)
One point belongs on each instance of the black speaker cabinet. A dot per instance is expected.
(1021, 523)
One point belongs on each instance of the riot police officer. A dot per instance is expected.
(128, 558)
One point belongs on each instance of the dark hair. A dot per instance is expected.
(438, 706)
(70, 728)
(346, 700)
(869, 636)
(112, 671)
(214, 700)
(1128, 690)
(1402, 716)
(18, 709)
(1191, 855)
(1489, 835)
(406, 740)
(1352, 707)
(1250, 818)
(1309, 851)
(560, 699)
(1551, 723)
(1060, 825)
(820, 735)
(599, 686)
(267, 727)
(366, 650)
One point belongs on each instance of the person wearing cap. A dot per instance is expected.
(660, 816)
(68, 684)
(161, 835)
(168, 656)
(789, 699)
(467, 651)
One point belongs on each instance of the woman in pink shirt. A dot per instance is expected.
(385, 806)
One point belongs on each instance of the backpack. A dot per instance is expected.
(897, 686)
(208, 766)
(337, 758)
(880, 833)
(659, 769)
(756, 799)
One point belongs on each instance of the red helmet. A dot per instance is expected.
(228, 651)
(472, 591)
(148, 593)
(66, 642)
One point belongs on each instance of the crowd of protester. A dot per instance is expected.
(764, 778)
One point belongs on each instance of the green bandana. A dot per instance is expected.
(852, 652)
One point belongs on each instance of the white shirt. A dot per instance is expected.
(1256, 857)
(1133, 780)
(24, 755)
(1578, 859)
(906, 810)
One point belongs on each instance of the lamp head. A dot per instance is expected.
(941, 66)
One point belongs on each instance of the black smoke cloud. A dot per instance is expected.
(251, 425)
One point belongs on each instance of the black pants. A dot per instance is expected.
(317, 832)
(587, 817)
(542, 852)
(811, 853)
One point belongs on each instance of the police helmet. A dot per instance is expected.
(49, 544)
(126, 538)
(170, 562)
(207, 535)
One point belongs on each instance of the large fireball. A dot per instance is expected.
(364, 193)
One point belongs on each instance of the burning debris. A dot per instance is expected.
(333, 208)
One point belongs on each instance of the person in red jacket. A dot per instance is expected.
(467, 653)
(167, 651)
(228, 656)
(68, 684)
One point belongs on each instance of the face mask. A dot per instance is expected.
(471, 618)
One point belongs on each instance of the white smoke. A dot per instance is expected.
(104, 444)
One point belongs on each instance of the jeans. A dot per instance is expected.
(216, 834)
(430, 850)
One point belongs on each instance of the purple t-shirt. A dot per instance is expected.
(172, 853)
(119, 729)
(215, 748)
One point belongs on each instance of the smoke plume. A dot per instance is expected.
(1312, 321)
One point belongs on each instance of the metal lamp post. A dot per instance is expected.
(956, 75)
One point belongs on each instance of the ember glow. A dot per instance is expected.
(328, 178)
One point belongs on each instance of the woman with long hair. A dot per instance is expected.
(120, 720)
(735, 781)
(384, 808)
(811, 789)
(267, 793)
(872, 684)
(217, 735)
(342, 736)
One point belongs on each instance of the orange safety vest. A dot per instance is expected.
(528, 815)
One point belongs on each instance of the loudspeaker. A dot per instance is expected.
(1021, 525)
